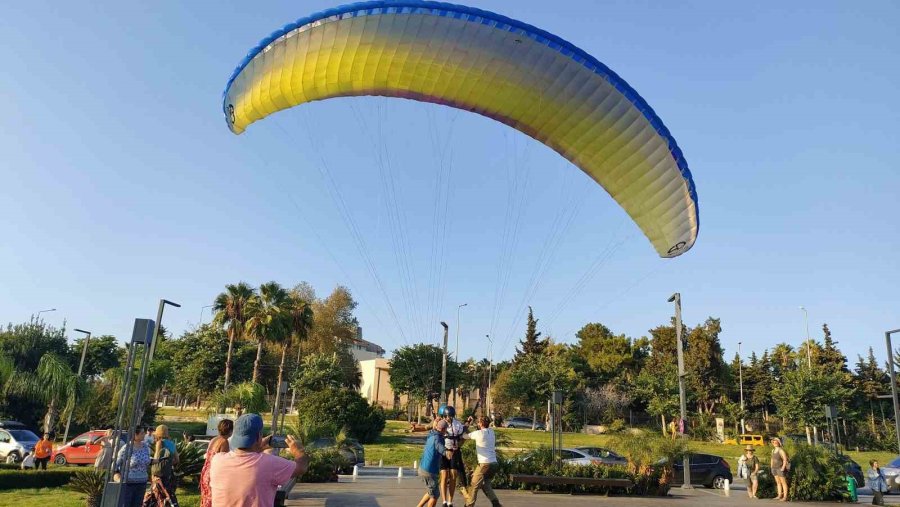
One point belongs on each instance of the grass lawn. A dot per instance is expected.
(165, 413)
(65, 497)
(397, 448)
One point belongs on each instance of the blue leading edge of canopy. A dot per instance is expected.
(554, 42)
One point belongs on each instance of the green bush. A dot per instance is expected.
(816, 474)
(325, 465)
(190, 460)
(26, 479)
(329, 411)
(90, 483)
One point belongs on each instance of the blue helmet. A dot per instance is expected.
(442, 410)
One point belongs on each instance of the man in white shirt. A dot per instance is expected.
(487, 463)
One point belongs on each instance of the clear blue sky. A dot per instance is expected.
(121, 183)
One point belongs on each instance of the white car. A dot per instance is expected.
(892, 474)
(578, 457)
(15, 441)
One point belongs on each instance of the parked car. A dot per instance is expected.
(605, 456)
(852, 468)
(81, 450)
(755, 440)
(706, 470)
(522, 423)
(16, 440)
(350, 449)
(568, 457)
(892, 474)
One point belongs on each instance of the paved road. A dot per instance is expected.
(372, 491)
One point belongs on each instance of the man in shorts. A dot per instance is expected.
(453, 470)
(430, 464)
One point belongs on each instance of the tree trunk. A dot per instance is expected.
(534, 419)
(259, 348)
(199, 399)
(872, 418)
(766, 419)
(50, 417)
(808, 436)
(275, 410)
(662, 419)
(228, 357)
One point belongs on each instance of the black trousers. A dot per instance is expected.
(41, 463)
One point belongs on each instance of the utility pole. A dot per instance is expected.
(456, 354)
(676, 298)
(808, 340)
(741, 381)
(444, 366)
(87, 340)
(890, 357)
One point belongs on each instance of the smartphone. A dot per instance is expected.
(278, 442)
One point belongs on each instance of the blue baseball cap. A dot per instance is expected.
(247, 430)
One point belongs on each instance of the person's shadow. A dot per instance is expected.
(342, 499)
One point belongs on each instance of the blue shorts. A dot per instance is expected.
(431, 483)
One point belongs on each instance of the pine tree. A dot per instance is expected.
(871, 381)
(532, 344)
(831, 357)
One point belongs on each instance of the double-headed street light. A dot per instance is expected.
(808, 344)
(490, 373)
(201, 315)
(87, 340)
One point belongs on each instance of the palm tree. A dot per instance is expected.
(299, 317)
(266, 318)
(53, 382)
(231, 311)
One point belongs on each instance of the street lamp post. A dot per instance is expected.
(444, 366)
(490, 372)
(38, 316)
(676, 298)
(890, 357)
(456, 354)
(741, 382)
(201, 315)
(87, 339)
(808, 344)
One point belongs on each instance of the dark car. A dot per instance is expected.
(706, 470)
(605, 456)
(523, 423)
(852, 468)
(350, 448)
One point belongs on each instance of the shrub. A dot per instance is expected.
(616, 426)
(325, 465)
(816, 474)
(90, 483)
(190, 460)
(26, 479)
(329, 411)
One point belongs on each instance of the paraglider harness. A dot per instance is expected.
(456, 461)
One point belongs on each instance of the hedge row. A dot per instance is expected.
(27, 479)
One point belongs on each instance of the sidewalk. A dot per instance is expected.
(383, 492)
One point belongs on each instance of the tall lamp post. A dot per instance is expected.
(201, 315)
(456, 354)
(37, 317)
(741, 382)
(490, 372)
(676, 298)
(87, 340)
(808, 344)
(444, 366)
(890, 355)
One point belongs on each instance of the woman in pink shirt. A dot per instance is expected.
(217, 445)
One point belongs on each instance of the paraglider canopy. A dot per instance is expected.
(486, 63)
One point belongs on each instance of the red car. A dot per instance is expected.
(81, 450)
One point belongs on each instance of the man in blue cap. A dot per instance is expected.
(250, 474)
